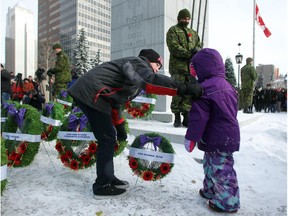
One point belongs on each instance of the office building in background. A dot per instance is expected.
(59, 21)
(20, 43)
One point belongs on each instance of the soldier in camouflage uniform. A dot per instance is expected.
(61, 71)
(183, 43)
(248, 78)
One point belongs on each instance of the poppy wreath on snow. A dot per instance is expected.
(76, 145)
(52, 116)
(22, 134)
(151, 157)
(66, 100)
(142, 106)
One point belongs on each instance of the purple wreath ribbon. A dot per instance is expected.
(74, 121)
(48, 107)
(7, 106)
(63, 93)
(17, 114)
(76, 109)
(155, 140)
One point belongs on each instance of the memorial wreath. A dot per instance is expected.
(52, 117)
(76, 145)
(142, 106)
(151, 157)
(22, 134)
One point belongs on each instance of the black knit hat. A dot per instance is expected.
(56, 46)
(183, 13)
(151, 55)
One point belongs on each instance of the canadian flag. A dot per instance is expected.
(261, 23)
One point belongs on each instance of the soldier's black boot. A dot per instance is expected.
(177, 120)
(185, 119)
(246, 110)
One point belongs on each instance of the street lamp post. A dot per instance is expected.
(239, 59)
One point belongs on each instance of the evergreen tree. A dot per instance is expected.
(80, 54)
(96, 61)
(229, 72)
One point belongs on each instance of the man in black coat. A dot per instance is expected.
(103, 90)
(5, 84)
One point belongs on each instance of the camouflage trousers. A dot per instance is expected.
(181, 104)
(220, 182)
(246, 97)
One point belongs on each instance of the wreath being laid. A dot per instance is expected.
(142, 106)
(66, 100)
(22, 134)
(151, 157)
(52, 117)
(76, 145)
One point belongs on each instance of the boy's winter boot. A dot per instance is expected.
(177, 120)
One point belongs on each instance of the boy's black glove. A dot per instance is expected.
(121, 132)
(194, 90)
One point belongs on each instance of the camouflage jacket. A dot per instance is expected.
(181, 41)
(61, 69)
(248, 76)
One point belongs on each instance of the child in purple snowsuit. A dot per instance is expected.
(214, 127)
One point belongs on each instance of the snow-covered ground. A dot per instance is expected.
(46, 187)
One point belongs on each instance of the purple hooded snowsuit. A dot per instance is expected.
(213, 125)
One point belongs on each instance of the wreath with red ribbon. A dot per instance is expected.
(53, 111)
(22, 119)
(138, 109)
(151, 170)
(80, 154)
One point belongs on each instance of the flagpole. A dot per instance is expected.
(254, 19)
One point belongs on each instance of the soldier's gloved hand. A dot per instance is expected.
(121, 132)
(194, 90)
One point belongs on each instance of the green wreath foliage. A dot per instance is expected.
(80, 154)
(64, 96)
(22, 153)
(4, 161)
(151, 170)
(140, 110)
(57, 113)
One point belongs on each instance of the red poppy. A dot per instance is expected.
(50, 128)
(43, 135)
(86, 159)
(59, 146)
(189, 35)
(69, 154)
(22, 148)
(17, 159)
(133, 163)
(92, 147)
(165, 168)
(74, 165)
(147, 176)
(63, 158)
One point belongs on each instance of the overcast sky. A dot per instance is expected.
(230, 23)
